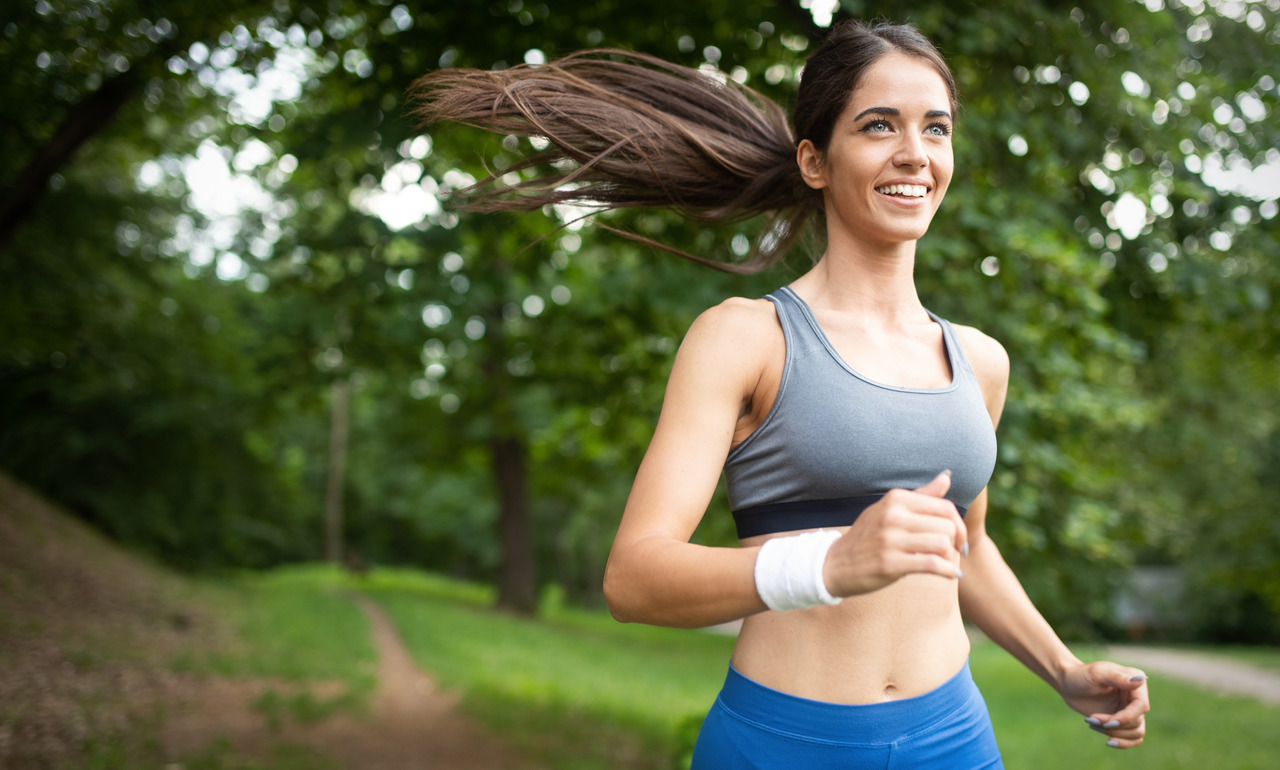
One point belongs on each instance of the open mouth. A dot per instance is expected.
(904, 190)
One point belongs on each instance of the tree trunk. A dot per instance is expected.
(337, 470)
(517, 579)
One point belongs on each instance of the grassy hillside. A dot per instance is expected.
(110, 661)
(83, 627)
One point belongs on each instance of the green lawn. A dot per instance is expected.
(1188, 728)
(574, 690)
(582, 691)
(293, 624)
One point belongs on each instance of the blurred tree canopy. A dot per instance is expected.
(212, 214)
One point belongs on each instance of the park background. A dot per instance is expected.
(241, 329)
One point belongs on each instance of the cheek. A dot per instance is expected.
(945, 167)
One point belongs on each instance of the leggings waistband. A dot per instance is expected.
(861, 723)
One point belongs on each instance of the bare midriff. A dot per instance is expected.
(898, 642)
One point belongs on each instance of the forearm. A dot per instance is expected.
(667, 582)
(992, 599)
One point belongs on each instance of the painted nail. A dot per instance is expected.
(1113, 743)
(1094, 721)
(965, 552)
(959, 573)
(947, 473)
(1112, 723)
(1141, 678)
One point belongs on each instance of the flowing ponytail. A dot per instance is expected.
(630, 130)
(639, 132)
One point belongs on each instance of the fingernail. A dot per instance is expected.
(1112, 723)
(1113, 743)
(965, 552)
(1093, 721)
(959, 573)
(1142, 678)
(947, 473)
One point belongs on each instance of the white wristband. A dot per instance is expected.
(789, 570)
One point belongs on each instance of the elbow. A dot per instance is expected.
(616, 594)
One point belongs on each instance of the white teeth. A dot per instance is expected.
(907, 190)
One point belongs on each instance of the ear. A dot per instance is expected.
(809, 159)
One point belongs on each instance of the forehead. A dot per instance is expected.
(900, 80)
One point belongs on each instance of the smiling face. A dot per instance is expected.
(889, 162)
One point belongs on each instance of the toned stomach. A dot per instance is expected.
(898, 642)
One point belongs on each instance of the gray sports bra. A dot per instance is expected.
(835, 441)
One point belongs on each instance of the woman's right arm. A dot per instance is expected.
(654, 574)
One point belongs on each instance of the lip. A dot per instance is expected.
(905, 202)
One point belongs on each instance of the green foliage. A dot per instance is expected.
(164, 362)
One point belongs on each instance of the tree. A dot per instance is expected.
(505, 371)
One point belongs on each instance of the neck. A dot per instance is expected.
(872, 281)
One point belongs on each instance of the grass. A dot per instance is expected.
(295, 624)
(292, 627)
(572, 689)
(1189, 728)
(575, 690)
(578, 690)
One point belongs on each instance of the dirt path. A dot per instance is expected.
(414, 725)
(1212, 672)
(86, 635)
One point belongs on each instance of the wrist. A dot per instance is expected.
(789, 571)
(1060, 667)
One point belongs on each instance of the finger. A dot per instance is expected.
(900, 564)
(927, 500)
(938, 486)
(1131, 714)
(936, 543)
(1127, 732)
(1117, 676)
(944, 510)
(1123, 743)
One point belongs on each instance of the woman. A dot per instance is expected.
(855, 428)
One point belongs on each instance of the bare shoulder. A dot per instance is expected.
(731, 343)
(990, 364)
(737, 328)
(738, 317)
(986, 355)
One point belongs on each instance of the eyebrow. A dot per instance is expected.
(894, 112)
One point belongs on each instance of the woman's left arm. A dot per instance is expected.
(1112, 697)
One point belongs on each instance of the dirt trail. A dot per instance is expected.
(414, 725)
(417, 724)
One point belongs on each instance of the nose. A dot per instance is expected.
(911, 151)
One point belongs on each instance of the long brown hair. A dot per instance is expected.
(639, 131)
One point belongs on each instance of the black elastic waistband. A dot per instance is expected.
(804, 514)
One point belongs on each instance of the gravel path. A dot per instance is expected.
(1212, 672)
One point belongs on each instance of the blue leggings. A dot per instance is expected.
(757, 727)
